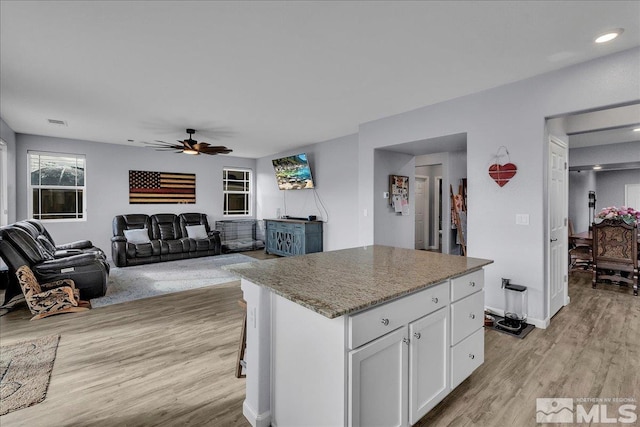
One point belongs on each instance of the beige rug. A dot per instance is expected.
(25, 370)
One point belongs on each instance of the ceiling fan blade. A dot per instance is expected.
(216, 150)
(187, 144)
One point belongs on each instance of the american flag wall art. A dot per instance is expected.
(161, 187)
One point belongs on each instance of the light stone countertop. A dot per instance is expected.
(340, 282)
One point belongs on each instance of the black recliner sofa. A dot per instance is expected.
(143, 239)
(38, 231)
(89, 270)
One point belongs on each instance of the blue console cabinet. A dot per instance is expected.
(288, 237)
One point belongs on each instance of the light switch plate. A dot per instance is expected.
(385, 195)
(522, 219)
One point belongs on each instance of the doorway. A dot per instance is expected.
(422, 212)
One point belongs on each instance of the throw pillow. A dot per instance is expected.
(138, 236)
(196, 232)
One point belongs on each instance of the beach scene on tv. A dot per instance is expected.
(293, 172)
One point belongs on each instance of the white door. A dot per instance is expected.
(378, 382)
(558, 211)
(4, 185)
(437, 214)
(422, 212)
(632, 196)
(428, 363)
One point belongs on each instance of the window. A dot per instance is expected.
(56, 186)
(236, 187)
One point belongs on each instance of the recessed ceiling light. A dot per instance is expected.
(597, 167)
(609, 35)
(636, 130)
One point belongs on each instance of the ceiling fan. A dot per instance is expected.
(190, 146)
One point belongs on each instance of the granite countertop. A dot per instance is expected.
(340, 282)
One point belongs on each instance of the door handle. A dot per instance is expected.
(553, 240)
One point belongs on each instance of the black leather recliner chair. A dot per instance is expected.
(89, 271)
(166, 238)
(42, 236)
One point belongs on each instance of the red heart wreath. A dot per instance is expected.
(501, 174)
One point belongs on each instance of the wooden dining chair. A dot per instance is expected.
(580, 255)
(615, 251)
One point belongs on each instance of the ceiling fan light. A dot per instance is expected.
(608, 36)
(189, 151)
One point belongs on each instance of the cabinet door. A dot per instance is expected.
(378, 374)
(428, 363)
(271, 239)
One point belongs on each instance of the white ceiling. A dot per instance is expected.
(269, 76)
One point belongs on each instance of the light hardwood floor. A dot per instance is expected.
(169, 361)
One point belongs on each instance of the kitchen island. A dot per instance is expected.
(366, 336)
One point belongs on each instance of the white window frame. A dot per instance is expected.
(31, 187)
(250, 192)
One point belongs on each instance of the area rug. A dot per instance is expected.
(148, 280)
(25, 370)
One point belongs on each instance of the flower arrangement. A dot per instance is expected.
(628, 215)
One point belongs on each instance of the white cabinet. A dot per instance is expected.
(378, 382)
(428, 363)
(402, 374)
(407, 355)
(467, 319)
(397, 378)
(466, 356)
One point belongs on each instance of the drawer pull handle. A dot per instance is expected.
(385, 322)
(417, 335)
(435, 300)
(472, 356)
(405, 340)
(473, 316)
(472, 284)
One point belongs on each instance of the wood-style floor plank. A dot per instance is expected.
(170, 360)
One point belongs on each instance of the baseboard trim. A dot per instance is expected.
(262, 420)
(542, 324)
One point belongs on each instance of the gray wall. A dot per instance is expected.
(605, 154)
(107, 181)
(334, 168)
(393, 229)
(580, 183)
(514, 116)
(610, 187)
(9, 136)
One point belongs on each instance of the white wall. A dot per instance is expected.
(610, 187)
(514, 116)
(580, 183)
(9, 136)
(393, 229)
(334, 168)
(605, 154)
(107, 181)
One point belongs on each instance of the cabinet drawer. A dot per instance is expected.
(467, 284)
(467, 315)
(375, 322)
(466, 356)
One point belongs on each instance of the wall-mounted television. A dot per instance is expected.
(293, 172)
